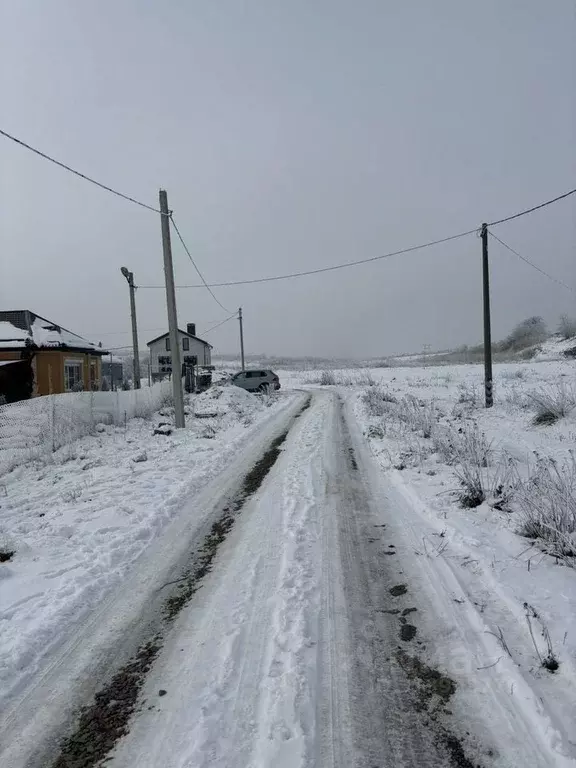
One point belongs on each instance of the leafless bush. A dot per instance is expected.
(419, 416)
(497, 486)
(312, 378)
(327, 378)
(167, 400)
(567, 327)
(378, 400)
(366, 379)
(468, 393)
(552, 405)
(72, 494)
(547, 506)
(518, 374)
(468, 451)
(528, 333)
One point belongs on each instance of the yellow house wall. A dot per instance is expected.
(48, 366)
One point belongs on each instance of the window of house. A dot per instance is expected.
(73, 378)
(185, 343)
(165, 363)
(167, 343)
(190, 360)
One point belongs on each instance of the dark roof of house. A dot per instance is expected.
(189, 335)
(20, 328)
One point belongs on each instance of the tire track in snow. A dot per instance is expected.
(287, 706)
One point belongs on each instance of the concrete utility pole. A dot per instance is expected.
(241, 338)
(130, 278)
(172, 317)
(487, 324)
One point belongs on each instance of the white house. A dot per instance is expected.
(193, 351)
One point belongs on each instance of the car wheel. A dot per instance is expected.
(263, 388)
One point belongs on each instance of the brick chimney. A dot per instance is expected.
(191, 329)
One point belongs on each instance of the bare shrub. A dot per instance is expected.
(419, 416)
(552, 405)
(547, 506)
(567, 327)
(445, 441)
(327, 378)
(72, 494)
(497, 486)
(167, 400)
(468, 451)
(312, 378)
(519, 374)
(468, 393)
(378, 400)
(528, 333)
(366, 379)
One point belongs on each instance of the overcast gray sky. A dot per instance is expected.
(290, 135)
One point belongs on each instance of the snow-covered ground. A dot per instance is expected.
(79, 520)
(353, 569)
(521, 600)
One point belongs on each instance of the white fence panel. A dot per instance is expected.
(32, 428)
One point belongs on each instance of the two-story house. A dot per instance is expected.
(193, 352)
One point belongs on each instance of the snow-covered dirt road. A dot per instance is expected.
(310, 634)
(302, 648)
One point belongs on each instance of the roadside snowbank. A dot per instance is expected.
(79, 520)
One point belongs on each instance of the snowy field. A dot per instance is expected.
(489, 497)
(73, 524)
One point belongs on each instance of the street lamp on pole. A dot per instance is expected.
(130, 278)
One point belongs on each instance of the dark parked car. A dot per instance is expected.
(256, 380)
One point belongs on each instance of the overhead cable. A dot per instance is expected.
(324, 269)
(531, 264)
(200, 275)
(232, 317)
(534, 208)
(77, 173)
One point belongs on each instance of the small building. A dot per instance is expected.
(57, 360)
(193, 352)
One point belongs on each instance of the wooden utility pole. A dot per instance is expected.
(172, 317)
(130, 278)
(488, 389)
(241, 338)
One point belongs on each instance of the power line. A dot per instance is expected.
(534, 266)
(325, 269)
(375, 258)
(232, 317)
(77, 173)
(534, 208)
(201, 276)
(294, 274)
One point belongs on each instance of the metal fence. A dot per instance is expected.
(32, 428)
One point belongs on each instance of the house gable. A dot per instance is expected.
(180, 333)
